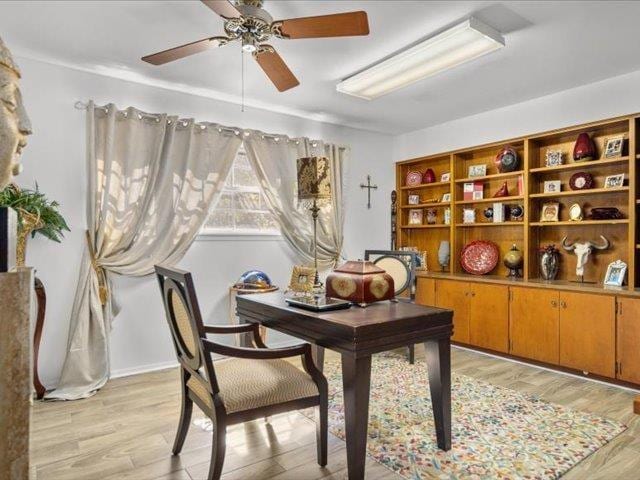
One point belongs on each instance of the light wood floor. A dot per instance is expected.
(126, 432)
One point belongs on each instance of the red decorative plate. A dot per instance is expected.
(581, 181)
(479, 257)
(413, 179)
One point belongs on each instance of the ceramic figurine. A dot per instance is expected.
(513, 261)
(444, 253)
(15, 125)
(549, 262)
(503, 191)
(584, 148)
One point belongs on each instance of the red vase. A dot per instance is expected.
(584, 149)
(429, 176)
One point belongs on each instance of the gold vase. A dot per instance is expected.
(28, 223)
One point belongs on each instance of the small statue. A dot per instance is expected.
(503, 191)
(582, 251)
(15, 125)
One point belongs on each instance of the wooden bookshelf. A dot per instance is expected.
(577, 325)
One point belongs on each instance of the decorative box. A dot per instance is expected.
(360, 282)
(473, 191)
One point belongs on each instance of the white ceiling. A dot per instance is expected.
(550, 46)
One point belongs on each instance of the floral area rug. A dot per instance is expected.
(498, 433)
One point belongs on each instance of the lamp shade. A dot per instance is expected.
(314, 178)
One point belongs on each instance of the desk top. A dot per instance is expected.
(379, 326)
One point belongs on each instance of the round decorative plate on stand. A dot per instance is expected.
(479, 257)
(581, 181)
(413, 179)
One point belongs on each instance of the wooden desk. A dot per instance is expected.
(356, 334)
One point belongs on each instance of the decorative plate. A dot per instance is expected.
(413, 179)
(581, 181)
(479, 257)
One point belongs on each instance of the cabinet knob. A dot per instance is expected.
(473, 294)
(563, 304)
(554, 304)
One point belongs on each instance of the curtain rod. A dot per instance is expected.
(80, 105)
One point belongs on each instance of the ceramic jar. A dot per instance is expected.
(513, 261)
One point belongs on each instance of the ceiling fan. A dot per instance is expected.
(245, 20)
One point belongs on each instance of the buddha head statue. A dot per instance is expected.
(14, 122)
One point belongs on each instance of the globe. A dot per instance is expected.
(254, 279)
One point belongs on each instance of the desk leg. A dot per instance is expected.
(356, 379)
(318, 356)
(438, 354)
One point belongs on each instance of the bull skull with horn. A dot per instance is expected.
(582, 251)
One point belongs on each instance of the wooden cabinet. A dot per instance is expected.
(628, 333)
(426, 291)
(535, 324)
(587, 332)
(480, 312)
(454, 296)
(489, 316)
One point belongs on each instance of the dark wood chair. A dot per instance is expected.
(401, 265)
(253, 383)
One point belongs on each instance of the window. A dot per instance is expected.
(241, 208)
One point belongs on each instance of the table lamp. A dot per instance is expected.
(314, 188)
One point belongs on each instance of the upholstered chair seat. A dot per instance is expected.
(246, 384)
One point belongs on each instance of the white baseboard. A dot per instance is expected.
(560, 372)
(153, 367)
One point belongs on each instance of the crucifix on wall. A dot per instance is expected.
(369, 187)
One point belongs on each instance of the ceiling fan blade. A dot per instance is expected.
(275, 68)
(337, 25)
(224, 8)
(182, 51)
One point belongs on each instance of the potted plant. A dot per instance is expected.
(36, 214)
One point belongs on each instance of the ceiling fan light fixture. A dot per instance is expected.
(249, 44)
(457, 45)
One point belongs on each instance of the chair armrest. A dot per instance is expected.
(256, 353)
(232, 329)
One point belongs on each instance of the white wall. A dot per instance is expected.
(55, 159)
(608, 98)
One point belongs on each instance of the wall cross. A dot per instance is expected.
(369, 187)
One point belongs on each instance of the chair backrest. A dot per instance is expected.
(401, 265)
(185, 322)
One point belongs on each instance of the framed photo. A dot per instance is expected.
(575, 213)
(613, 147)
(552, 186)
(446, 197)
(432, 216)
(613, 181)
(415, 216)
(445, 177)
(550, 212)
(616, 272)
(477, 170)
(553, 158)
(477, 195)
(469, 215)
(302, 279)
(413, 199)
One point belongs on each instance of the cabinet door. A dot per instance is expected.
(629, 339)
(535, 324)
(426, 291)
(489, 316)
(454, 296)
(587, 332)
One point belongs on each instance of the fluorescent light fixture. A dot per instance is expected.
(455, 46)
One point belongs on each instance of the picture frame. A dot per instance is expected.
(477, 170)
(445, 177)
(616, 272)
(576, 213)
(477, 195)
(469, 215)
(415, 216)
(550, 212)
(614, 181)
(446, 197)
(553, 158)
(413, 199)
(447, 216)
(432, 216)
(613, 146)
(302, 279)
(552, 186)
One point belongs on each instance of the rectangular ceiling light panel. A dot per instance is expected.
(455, 46)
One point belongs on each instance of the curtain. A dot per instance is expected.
(152, 179)
(273, 158)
